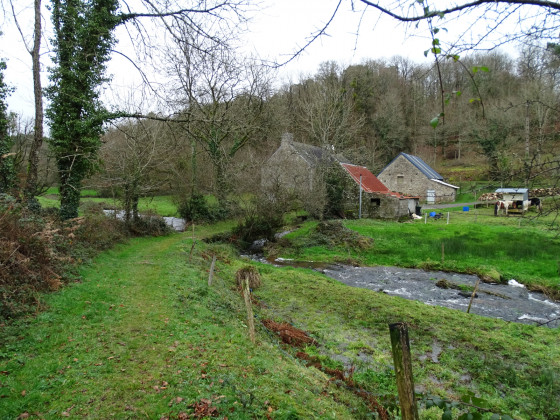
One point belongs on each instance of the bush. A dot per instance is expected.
(27, 257)
(149, 225)
(263, 217)
(196, 209)
(39, 252)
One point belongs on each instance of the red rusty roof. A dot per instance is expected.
(370, 183)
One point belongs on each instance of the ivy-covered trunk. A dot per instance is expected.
(69, 190)
(7, 170)
(83, 39)
(131, 197)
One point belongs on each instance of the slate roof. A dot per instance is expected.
(315, 155)
(370, 183)
(420, 164)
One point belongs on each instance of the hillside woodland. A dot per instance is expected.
(500, 124)
(481, 119)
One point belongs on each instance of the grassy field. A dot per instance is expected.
(162, 205)
(143, 335)
(474, 242)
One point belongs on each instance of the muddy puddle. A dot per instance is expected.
(510, 302)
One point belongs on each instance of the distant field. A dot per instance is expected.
(474, 241)
(162, 205)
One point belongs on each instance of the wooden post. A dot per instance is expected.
(442, 253)
(211, 274)
(425, 218)
(403, 370)
(250, 317)
(472, 296)
(360, 211)
(193, 243)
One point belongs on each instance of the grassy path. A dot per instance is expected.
(143, 337)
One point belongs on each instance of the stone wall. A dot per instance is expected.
(286, 168)
(402, 176)
(374, 205)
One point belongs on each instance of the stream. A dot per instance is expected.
(510, 302)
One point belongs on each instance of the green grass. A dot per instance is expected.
(142, 335)
(162, 205)
(528, 254)
(512, 366)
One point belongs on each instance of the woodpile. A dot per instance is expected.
(544, 192)
(493, 196)
(536, 192)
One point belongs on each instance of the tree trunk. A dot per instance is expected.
(69, 193)
(221, 183)
(31, 187)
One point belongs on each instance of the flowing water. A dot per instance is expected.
(510, 302)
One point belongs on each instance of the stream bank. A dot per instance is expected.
(510, 302)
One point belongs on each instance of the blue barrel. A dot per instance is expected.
(466, 208)
(432, 214)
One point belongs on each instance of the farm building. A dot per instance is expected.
(295, 166)
(410, 175)
(517, 199)
(377, 200)
(313, 172)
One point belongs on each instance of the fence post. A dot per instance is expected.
(211, 274)
(250, 317)
(403, 370)
(193, 243)
(425, 218)
(473, 295)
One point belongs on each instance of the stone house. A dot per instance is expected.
(410, 175)
(378, 201)
(311, 172)
(296, 166)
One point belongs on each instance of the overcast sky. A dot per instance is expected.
(277, 30)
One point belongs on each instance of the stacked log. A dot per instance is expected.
(544, 192)
(535, 192)
(493, 196)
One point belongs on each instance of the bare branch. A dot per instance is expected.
(461, 7)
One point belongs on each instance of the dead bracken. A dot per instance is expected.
(289, 334)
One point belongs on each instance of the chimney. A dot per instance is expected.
(287, 139)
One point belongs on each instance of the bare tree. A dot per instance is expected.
(34, 49)
(220, 98)
(324, 109)
(138, 157)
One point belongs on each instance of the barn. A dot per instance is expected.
(377, 201)
(410, 175)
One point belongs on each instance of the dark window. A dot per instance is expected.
(376, 201)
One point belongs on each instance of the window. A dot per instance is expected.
(400, 180)
(376, 201)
